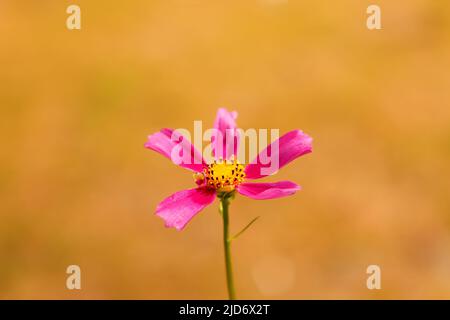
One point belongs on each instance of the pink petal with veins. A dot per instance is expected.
(263, 191)
(178, 209)
(225, 141)
(174, 146)
(290, 146)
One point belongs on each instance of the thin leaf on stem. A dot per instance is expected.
(244, 229)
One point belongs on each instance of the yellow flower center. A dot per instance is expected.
(223, 174)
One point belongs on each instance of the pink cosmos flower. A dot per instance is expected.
(224, 175)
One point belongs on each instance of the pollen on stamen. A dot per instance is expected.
(224, 174)
(199, 178)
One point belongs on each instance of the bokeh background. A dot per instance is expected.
(78, 187)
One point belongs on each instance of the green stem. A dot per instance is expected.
(224, 203)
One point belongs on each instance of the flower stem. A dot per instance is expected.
(224, 203)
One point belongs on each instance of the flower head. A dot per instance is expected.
(224, 174)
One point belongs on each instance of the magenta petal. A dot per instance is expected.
(168, 141)
(225, 141)
(290, 146)
(263, 191)
(178, 209)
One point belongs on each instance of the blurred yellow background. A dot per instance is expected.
(78, 187)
